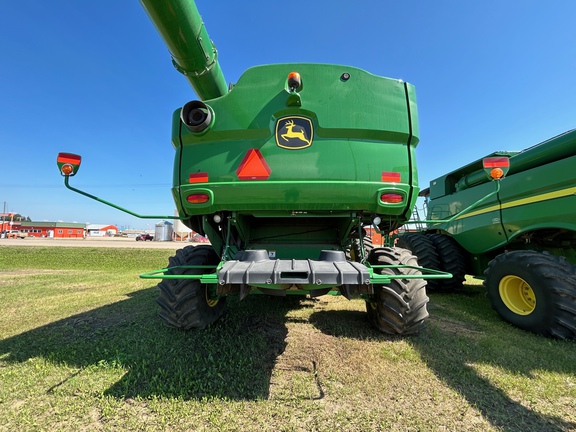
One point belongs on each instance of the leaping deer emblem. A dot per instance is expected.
(291, 133)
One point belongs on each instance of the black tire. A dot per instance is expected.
(355, 253)
(423, 247)
(398, 308)
(452, 260)
(534, 291)
(184, 303)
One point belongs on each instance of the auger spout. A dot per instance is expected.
(193, 53)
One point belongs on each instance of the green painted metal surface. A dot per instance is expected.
(291, 162)
(193, 53)
(368, 128)
(534, 208)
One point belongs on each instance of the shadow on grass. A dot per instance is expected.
(231, 359)
(462, 332)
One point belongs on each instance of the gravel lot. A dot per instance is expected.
(96, 242)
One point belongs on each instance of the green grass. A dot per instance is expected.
(81, 348)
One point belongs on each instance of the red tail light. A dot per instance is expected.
(391, 198)
(197, 198)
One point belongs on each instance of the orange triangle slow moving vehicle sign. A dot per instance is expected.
(253, 167)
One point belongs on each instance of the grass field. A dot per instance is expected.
(81, 348)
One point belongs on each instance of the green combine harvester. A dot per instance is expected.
(522, 240)
(282, 171)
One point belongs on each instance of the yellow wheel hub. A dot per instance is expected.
(211, 302)
(517, 295)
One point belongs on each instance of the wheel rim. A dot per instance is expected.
(517, 295)
(210, 301)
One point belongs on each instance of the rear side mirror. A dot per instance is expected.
(496, 167)
(68, 164)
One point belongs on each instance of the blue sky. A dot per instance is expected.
(95, 78)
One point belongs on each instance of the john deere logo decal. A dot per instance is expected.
(294, 133)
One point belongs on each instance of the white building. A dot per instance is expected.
(96, 230)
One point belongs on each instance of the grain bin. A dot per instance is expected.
(163, 231)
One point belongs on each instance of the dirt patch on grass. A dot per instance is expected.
(11, 277)
(341, 368)
(455, 326)
(33, 272)
(450, 324)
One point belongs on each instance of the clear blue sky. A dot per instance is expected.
(94, 78)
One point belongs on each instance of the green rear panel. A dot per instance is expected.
(362, 127)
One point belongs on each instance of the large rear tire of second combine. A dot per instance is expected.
(534, 291)
(423, 247)
(355, 252)
(185, 303)
(398, 308)
(452, 260)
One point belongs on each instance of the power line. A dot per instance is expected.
(21, 186)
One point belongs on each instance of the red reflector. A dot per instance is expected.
(391, 177)
(496, 162)
(69, 158)
(253, 167)
(197, 198)
(200, 177)
(391, 198)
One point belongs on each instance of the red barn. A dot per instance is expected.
(53, 229)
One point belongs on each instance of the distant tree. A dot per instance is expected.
(18, 217)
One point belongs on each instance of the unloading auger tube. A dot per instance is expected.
(193, 53)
